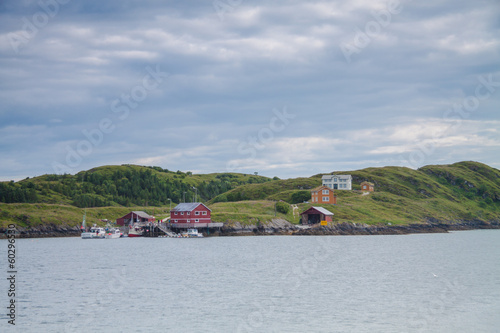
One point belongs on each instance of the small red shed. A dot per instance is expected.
(315, 215)
(195, 212)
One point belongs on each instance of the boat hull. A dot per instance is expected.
(92, 235)
(192, 233)
(112, 236)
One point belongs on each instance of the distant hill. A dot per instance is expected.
(464, 191)
(459, 181)
(288, 190)
(125, 185)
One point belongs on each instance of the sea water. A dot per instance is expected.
(403, 283)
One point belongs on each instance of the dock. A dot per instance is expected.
(174, 229)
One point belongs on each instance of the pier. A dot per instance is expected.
(157, 229)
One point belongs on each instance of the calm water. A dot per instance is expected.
(413, 283)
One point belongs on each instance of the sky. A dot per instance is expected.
(283, 88)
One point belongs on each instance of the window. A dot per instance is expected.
(325, 191)
(196, 213)
(197, 220)
(334, 179)
(188, 221)
(325, 199)
(176, 221)
(204, 213)
(182, 213)
(175, 213)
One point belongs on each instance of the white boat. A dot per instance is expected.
(114, 233)
(135, 230)
(94, 232)
(191, 233)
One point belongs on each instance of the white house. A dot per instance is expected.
(337, 182)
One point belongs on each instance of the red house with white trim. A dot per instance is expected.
(195, 212)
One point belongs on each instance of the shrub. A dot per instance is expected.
(300, 196)
(282, 207)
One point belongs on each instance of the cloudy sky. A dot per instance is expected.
(284, 88)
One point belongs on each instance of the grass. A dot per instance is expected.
(449, 193)
(32, 215)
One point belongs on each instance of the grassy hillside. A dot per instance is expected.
(32, 215)
(272, 190)
(456, 192)
(125, 185)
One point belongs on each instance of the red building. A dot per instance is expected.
(195, 212)
(323, 194)
(315, 215)
(137, 216)
(367, 187)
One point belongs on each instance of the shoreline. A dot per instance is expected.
(352, 229)
(283, 228)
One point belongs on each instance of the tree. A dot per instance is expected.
(300, 196)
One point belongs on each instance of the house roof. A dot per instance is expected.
(319, 188)
(188, 207)
(320, 210)
(368, 183)
(338, 176)
(142, 214)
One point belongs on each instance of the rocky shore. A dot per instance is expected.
(283, 227)
(43, 231)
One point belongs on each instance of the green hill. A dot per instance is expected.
(464, 191)
(125, 185)
(272, 190)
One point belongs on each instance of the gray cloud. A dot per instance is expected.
(226, 76)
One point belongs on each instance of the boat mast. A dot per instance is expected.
(84, 224)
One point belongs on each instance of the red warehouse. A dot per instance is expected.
(133, 217)
(195, 212)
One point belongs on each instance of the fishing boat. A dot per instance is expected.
(135, 230)
(94, 233)
(191, 233)
(113, 233)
